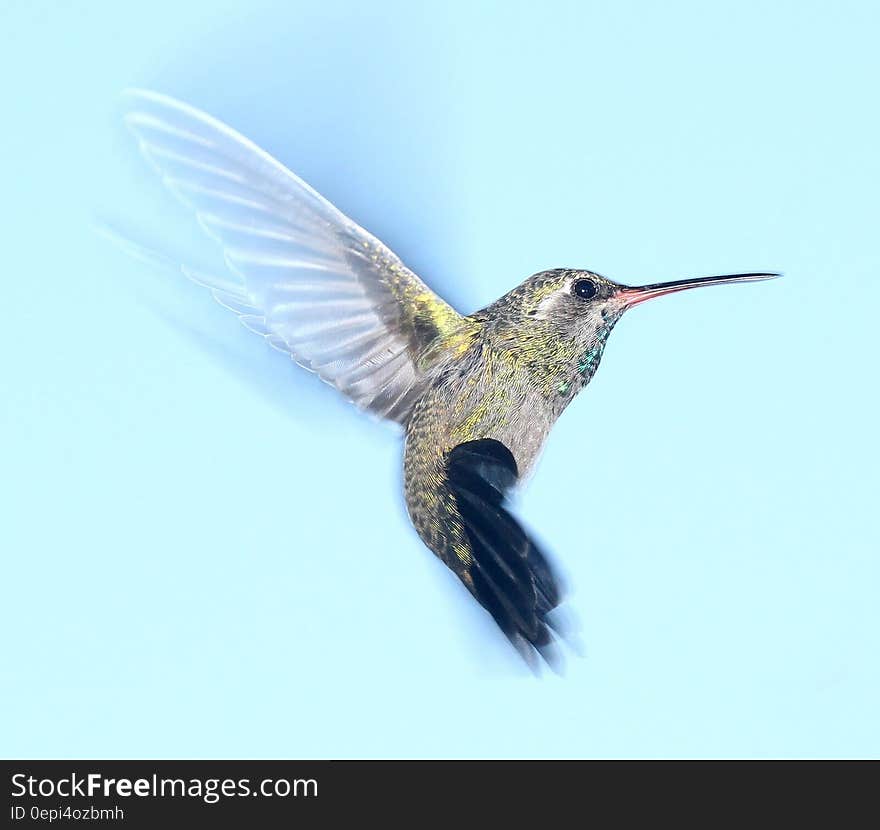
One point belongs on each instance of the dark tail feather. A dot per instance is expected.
(512, 578)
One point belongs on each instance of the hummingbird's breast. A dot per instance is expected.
(487, 393)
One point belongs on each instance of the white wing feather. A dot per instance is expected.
(312, 282)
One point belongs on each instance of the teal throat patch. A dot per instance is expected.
(589, 361)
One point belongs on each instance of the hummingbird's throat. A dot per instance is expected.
(588, 360)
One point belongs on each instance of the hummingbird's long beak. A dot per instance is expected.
(642, 293)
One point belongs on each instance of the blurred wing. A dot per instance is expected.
(509, 575)
(307, 278)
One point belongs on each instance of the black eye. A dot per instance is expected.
(585, 289)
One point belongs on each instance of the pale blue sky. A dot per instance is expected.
(205, 551)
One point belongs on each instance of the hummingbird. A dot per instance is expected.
(475, 395)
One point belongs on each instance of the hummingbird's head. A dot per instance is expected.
(564, 316)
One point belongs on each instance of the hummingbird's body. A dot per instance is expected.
(476, 395)
(505, 376)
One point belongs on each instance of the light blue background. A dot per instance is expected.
(205, 551)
